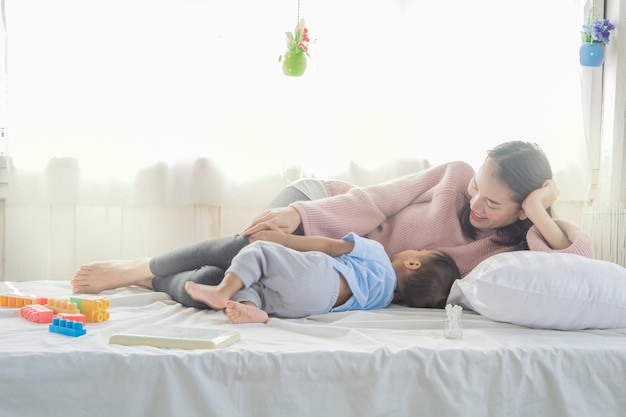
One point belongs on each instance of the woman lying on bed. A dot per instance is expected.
(503, 207)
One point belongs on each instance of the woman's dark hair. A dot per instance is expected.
(523, 167)
(430, 285)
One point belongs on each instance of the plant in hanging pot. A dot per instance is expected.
(294, 61)
(595, 35)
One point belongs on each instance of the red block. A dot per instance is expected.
(37, 313)
(73, 317)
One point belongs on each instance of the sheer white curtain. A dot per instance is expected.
(116, 88)
(137, 126)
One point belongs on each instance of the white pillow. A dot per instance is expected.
(545, 290)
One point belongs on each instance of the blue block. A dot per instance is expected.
(67, 327)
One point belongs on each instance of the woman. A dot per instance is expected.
(505, 206)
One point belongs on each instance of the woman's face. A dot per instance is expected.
(491, 203)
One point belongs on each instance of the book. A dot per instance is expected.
(176, 337)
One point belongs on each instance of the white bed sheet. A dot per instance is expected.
(390, 362)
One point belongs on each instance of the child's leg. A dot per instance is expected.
(215, 296)
(295, 284)
(174, 285)
(245, 312)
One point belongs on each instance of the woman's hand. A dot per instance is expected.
(541, 198)
(285, 219)
(271, 233)
(535, 206)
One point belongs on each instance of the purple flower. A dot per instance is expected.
(600, 31)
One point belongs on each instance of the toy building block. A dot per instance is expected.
(37, 313)
(94, 309)
(67, 327)
(19, 301)
(62, 306)
(72, 316)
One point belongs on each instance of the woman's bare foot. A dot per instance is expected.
(245, 312)
(212, 295)
(99, 276)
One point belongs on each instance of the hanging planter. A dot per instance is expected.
(294, 63)
(592, 54)
(595, 35)
(294, 60)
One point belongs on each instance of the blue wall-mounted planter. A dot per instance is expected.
(592, 54)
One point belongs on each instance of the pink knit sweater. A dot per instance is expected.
(417, 211)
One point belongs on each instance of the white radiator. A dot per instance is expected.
(607, 227)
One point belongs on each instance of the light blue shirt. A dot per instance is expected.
(368, 271)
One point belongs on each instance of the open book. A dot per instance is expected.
(176, 337)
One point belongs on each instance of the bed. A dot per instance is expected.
(389, 362)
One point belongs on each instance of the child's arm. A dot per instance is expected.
(332, 247)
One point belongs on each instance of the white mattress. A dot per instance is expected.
(390, 362)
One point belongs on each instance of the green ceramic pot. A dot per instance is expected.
(294, 63)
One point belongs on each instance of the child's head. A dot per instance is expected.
(424, 277)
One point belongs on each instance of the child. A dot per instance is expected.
(292, 276)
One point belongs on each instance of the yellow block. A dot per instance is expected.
(94, 309)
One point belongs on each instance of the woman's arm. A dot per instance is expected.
(361, 210)
(534, 207)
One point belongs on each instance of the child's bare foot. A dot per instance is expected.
(211, 295)
(99, 276)
(239, 313)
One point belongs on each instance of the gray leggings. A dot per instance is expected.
(205, 262)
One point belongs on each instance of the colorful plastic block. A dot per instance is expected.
(19, 301)
(94, 309)
(37, 313)
(67, 327)
(72, 316)
(62, 306)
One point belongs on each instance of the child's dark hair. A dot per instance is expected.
(430, 285)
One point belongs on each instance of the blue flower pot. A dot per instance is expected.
(592, 54)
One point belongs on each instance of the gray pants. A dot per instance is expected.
(284, 282)
(205, 262)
